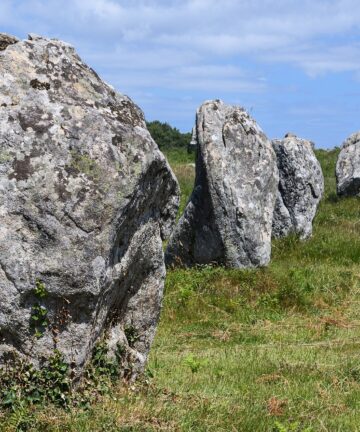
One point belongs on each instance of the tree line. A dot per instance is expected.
(167, 136)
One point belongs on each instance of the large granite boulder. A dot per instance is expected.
(86, 199)
(301, 186)
(228, 217)
(348, 167)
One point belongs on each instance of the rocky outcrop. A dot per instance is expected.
(6, 40)
(301, 186)
(86, 200)
(348, 167)
(229, 215)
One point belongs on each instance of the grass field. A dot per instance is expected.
(273, 349)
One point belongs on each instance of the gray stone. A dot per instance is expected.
(348, 167)
(86, 200)
(6, 40)
(191, 148)
(229, 215)
(301, 186)
(34, 37)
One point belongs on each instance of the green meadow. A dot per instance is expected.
(273, 349)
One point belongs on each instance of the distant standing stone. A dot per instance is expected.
(348, 167)
(191, 148)
(301, 186)
(229, 215)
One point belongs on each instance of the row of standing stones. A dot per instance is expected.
(87, 199)
(247, 189)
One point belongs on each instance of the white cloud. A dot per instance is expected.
(173, 53)
(271, 29)
(319, 58)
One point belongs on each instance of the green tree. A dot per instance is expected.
(166, 136)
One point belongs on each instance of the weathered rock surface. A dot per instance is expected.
(6, 40)
(301, 186)
(348, 167)
(86, 198)
(229, 215)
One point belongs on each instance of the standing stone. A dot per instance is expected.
(86, 199)
(191, 148)
(228, 218)
(348, 167)
(301, 186)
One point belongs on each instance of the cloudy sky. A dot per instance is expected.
(294, 65)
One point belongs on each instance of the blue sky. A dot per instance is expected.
(295, 65)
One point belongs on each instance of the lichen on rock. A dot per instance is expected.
(6, 40)
(228, 217)
(348, 167)
(86, 200)
(301, 187)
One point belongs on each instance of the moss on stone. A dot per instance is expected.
(86, 165)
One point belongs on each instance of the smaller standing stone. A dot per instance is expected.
(191, 148)
(348, 167)
(229, 215)
(301, 187)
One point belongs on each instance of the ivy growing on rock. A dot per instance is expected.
(39, 314)
(23, 384)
